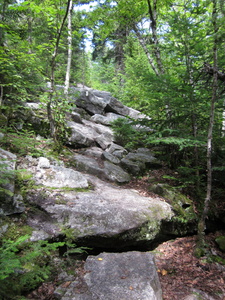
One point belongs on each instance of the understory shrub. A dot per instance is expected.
(24, 265)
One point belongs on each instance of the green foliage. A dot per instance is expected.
(8, 259)
(105, 77)
(123, 131)
(134, 133)
(6, 176)
(60, 106)
(22, 143)
(71, 247)
(24, 265)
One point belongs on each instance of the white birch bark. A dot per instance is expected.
(67, 79)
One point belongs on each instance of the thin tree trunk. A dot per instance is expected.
(29, 30)
(67, 80)
(202, 221)
(1, 96)
(2, 19)
(52, 83)
(144, 47)
(153, 19)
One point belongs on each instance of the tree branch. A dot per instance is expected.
(208, 69)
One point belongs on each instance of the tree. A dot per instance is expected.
(204, 214)
(67, 80)
(52, 85)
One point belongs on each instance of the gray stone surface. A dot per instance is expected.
(116, 276)
(10, 203)
(88, 165)
(104, 136)
(133, 167)
(76, 117)
(43, 163)
(117, 150)
(140, 156)
(89, 134)
(100, 103)
(111, 158)
(107, 119)
(60, 177)
(115, 173)
(52, 173)
(97, 118)
(81, 135)
(105, 217)
(107, 171)
(94, 152)
(92, 102)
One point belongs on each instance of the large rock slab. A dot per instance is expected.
(107, 119)
(106, 170)
(140, 160)
(58, 176)
(115, 276)
(88, 165)
(89, 134)
(117, 150)
(81, 135)
(105, 217)
(105, 134)
(100, 103)
(52, 174)
(92, 101)
(115, 173)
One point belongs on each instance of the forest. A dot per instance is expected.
(165, 58)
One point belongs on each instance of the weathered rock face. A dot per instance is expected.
(58, 176)
(82, 201)
(107, 215)
(104, 217)
(96, 131)
(185, 219)
(220, 240)
(89, 126)
(99, 103)
(10, 203)
(115, 276)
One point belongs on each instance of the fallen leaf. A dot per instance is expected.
(131, 288)
(66, 284)
(100, 258)
(164, 272)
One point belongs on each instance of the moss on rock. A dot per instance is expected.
(221, 242)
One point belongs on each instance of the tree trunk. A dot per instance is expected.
(144, 47)
(202, 221)
(67, 80)
(2, 19)
(29, 30)
(152, 9)
(52, 83)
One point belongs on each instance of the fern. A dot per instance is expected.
(24, 265)
(9, 261)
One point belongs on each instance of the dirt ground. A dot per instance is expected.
(181, 273)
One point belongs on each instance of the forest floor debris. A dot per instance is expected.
(181, 272)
